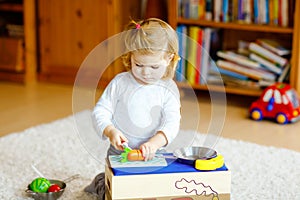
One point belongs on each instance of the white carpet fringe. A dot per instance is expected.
(258, 172)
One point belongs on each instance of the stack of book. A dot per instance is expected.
(194, 50)
(272, 12)
(266, 63)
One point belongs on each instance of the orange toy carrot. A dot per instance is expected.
(131, 155)
(135, 155)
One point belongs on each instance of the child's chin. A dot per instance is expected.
(147, 81)
(150, 82)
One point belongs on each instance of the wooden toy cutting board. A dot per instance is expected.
(114, 161)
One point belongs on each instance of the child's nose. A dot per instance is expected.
(146, 71)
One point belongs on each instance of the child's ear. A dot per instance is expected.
(170, 57)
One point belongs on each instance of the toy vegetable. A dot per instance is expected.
(131, 154)
(135, 155)
(54, 188)
(40, 185)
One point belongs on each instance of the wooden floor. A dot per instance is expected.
(23, 106)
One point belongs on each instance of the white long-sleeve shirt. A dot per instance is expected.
(139, 111)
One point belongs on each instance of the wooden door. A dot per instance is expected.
(68, 31)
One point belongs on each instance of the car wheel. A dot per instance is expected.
(256, 114)
(281, 118)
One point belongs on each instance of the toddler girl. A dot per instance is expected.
(141, 106)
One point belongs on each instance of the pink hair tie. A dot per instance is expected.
(137, 26)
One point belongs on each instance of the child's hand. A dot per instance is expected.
(148, 150)
(115, 136)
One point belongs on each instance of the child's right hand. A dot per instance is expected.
(115, 136)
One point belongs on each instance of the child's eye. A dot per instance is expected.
(155, 67)
(138, 65)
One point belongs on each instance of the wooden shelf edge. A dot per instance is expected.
(13, 7)
(12, 76)
(237, 26)
(219, 88)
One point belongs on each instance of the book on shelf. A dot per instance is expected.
(217, 7)
(238, 83)
(214, 69)
(195, 50)
(181, 66)
(201, 9)
(192, 53)
(274, 46)
(229, 81)
(234, 10)
(261, 69)
(266, 64)
(291, 6)
(214, 79)
(179, 8)
(199, 53)
(270, 12)
(273, 12)
(182, 11)
(252, 73)
(216, 39)
(283, 77)
(256, 48)
(183, 8)
(231, 11)
(225, 11)
(209, 10)
(205, 55)
(261, 11)
(193, 9)
(243, 47)
(245, 11)
(285, 74)
(283, 18)
(189, 9)
(238, 58)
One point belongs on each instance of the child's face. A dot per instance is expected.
(149, 68)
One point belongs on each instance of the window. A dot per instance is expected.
(277, 97)
(268, 95)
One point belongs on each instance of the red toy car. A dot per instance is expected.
(280, 102)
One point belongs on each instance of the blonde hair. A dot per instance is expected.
(150, 36)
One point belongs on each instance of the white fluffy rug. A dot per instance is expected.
(258, 172)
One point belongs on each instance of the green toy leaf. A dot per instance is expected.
(125, 154)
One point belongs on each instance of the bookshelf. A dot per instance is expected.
(234, 31)
(18, 41)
